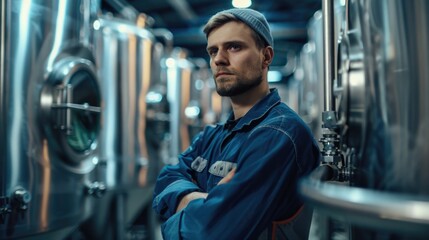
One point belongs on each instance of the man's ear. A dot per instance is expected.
(268, 56)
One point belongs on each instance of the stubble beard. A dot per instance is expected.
(237, 87)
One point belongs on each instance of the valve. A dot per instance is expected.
(96, 189)
(21, 198)
(331, 151)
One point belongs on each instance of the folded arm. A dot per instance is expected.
(262, 189)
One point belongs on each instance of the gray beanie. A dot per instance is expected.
(254, 20)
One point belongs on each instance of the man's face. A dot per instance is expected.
(235, 60)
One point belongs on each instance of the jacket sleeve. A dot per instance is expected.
(175, 181)
(263, 189)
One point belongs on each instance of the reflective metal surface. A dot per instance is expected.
(124, 54)
(376, 210)
(90, 106)
(70, 104)
(309, 74)
(180, 87)
(127, 69)
(397, 56)
(382, 112)
(45, 166)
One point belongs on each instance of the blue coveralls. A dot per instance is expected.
(271, 148)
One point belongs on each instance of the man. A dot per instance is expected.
(237, 178)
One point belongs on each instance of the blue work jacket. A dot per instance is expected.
(271, 149)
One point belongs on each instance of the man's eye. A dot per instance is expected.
(212, 52)
(234, 47)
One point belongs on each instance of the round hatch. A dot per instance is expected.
(71, 103)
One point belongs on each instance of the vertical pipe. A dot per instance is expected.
(328, 52)
(330, 138)
(2, 102)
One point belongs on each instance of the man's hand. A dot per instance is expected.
(196, 195)
(188, 198)
(228, 177)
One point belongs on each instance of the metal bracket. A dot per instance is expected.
(65, 106)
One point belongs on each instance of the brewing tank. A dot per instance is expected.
(49, 117)
(125, 56)
(124, 53)
(191, 97)
(308, 75)
(382, 115)
(177, 70)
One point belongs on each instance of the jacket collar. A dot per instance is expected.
(257, 111)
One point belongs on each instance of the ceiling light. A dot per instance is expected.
(241, 3)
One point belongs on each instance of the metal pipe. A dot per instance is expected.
(2, 95)
(328, 52)
(126, 10)
(388, 211)
(330, 137)
(325, 172)
(167, 37)
(184, 10)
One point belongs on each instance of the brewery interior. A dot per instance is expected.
(96, 96)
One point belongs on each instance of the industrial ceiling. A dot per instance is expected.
(184, 18)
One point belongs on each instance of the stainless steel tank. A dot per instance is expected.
(382, 120)
(50, 117)
(190, 110)
(308, 84)
(178, 71)
(125, 56)
(214, 108)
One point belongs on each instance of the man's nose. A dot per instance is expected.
(221, 58)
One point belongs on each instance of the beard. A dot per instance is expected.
(230, 88)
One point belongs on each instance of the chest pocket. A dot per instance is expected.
(222, 168)
(199, 164)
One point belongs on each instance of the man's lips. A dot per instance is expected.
(222, 74)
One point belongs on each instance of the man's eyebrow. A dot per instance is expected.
(227, 43)
(234, 42)
(208, 49)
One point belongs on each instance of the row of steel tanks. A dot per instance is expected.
(50, 117)
(368, 60)
(92, 106)
(153, 107)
